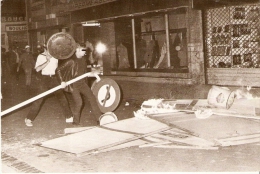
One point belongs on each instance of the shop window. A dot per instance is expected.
(232, 37)
(151, 44)
(124, 45)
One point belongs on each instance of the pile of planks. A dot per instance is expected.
(172, 125)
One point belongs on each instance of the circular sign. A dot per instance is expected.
(108, 117)
(61, 45)
(107, 93)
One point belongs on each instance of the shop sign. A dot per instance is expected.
(16, 28)
(12, 18)
(81, 4)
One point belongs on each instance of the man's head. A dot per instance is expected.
(27, 48)
(80, 50)
(41, 48)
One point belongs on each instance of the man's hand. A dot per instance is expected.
(63, 84)
(17, 70)
(96, 75)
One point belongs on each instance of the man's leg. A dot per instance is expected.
(28, 77)
(53, 82)
(34, 109)
(77, 105)
(88, 94)
(64, 103)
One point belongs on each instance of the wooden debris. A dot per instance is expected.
(237, 140)
(120, 142)
(187, 147)
(154, 144)
(76, 129)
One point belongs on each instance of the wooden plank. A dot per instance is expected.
(216, 127)
(137, 142)
(136, 126)
(154, 144)
(76, 129)
(190, 140)
(238, 116)
(152, 139)
(118, 143)
(168, 122)
(187, 147)
(235, 138)
(169, 114)
(86, 140)
(239, 142)
(100, 139)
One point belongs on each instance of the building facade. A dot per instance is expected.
(171, 41)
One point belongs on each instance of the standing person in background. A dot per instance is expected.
(27, 62)
(13, 60)
(70, 69)
(4, 64)
(89, 52)
(47, 80)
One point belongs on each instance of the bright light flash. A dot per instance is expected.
(101, 48)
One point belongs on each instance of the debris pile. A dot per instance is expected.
(169, 123)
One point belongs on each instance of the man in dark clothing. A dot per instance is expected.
(70, 69)
(13, 60)
(27, 62)
(46, 65)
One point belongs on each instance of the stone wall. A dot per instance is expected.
(107, 33)
(195, 47)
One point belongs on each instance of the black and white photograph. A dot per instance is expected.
(130, 86)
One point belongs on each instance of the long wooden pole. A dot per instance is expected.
(48, 92)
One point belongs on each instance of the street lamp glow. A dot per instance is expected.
(101, 48)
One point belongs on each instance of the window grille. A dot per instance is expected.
(232, 37)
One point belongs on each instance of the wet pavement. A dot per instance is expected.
(21, 154)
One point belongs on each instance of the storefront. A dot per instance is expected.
(156, 40)
(13, 32)
(148, 40)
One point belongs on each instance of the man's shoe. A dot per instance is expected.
(76, 124)
(69, 120)
(28, 122)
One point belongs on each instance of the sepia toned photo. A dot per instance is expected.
(130, 86)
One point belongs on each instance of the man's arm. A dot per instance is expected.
(65, 66)
(40, 67)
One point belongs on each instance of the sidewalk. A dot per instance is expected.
(7, 169)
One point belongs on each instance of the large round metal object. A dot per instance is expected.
(61, 45)
(107, 93)
(108, 117)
